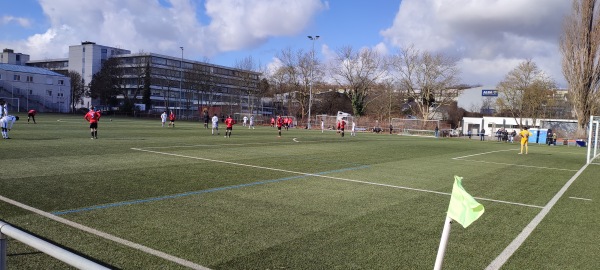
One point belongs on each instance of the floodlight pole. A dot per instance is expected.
(312, 65)
(180, 81)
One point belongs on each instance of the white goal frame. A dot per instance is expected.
(592, 140)
(330, 121)
(415, 127)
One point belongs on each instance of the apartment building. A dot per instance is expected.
(26, 88)
(179, 84)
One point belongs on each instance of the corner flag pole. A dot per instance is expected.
(442, 249)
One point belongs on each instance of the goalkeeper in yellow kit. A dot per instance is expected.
(525, 133)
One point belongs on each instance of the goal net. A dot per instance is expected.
(414, 127)
(592, 141)
(329, 122)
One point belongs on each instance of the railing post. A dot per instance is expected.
(3, 247)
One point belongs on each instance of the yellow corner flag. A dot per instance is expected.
(463, 208)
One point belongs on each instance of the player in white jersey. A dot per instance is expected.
(163, 118)
(3, 108)
(353, 131)
(245, 120)
(215, 124)
(251, 126)
(7, 123)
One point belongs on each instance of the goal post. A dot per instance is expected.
(414, 127)
(329, 122)
(592, 140)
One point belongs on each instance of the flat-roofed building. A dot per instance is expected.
(25, 88)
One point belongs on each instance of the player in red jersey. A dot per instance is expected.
(172, 119)
(31, 114)
(342, 126)
(93, 117)
(279, 125)
(229, 122)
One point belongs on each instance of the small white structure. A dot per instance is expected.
(492, 124)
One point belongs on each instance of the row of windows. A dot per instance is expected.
(216, 70)
(29, 79)
(19, 91)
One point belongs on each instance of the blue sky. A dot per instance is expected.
(487, 37)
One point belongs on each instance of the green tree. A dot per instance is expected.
(77, 89)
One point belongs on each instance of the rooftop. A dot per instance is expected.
(28, 69)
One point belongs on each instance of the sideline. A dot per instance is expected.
(518, 241)
(329, 177)
(107, 236)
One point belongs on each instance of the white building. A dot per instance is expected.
(9, 56)
(86, 59)
(174, 81)
(26, 88)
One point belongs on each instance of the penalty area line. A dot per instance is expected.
(330, 177)
(499, 261)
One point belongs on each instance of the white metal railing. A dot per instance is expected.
(43, 246)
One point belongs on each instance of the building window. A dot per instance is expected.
(0, 76)
(29, 78)
(60, 94)
(61, 82)
(49, 92)
(17, 77)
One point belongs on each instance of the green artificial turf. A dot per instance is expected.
(306, 200)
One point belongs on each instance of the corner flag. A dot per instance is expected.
(463, 208)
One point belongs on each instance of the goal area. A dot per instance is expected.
(414, 127)
(329, 122)
(592, 140)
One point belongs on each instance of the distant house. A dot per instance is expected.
(26, 88)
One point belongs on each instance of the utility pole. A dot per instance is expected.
(312, 67)
(180, 81)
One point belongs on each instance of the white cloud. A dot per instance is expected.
(484, 33)
(141, 25)
(237, 24)
(23, 22)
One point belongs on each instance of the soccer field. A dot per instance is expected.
(147, 197)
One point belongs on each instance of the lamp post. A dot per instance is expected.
(312, 64)
(180, 80)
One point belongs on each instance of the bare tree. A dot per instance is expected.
(247, 80)
(429, 80)
(358, 71)
(384, 101)
(77, 88)
(579, 45)
(525, 92)
(294, 78)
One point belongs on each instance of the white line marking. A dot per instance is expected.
(295, 139)
(106, 235)
(517, 242)
(485, 153)
(518, 165)
(328, 177)
(576, 198)
(500, 163)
